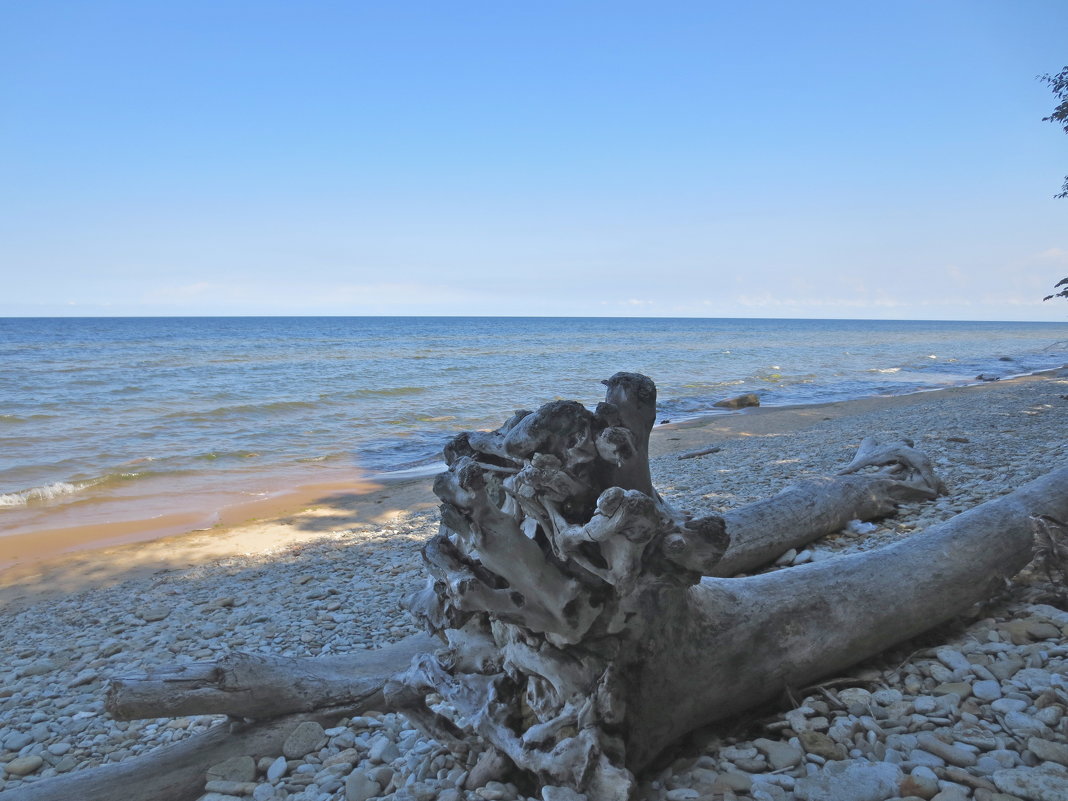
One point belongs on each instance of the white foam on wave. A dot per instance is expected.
(48, 492)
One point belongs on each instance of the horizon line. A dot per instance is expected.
(507, 317)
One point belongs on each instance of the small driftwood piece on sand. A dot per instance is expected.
(581, 624)
(700, 452)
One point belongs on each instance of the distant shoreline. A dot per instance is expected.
(495, 317)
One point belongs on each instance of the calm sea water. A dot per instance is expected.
(125, 408)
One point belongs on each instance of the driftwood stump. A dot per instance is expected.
(579, 637)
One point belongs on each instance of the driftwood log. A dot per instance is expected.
(580, 624)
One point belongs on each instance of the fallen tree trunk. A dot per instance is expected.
(761, 532)
(579, 638)
(791, 627)
(260, 686)
(174, 772)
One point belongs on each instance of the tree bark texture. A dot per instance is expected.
(260, 686)
(747, 639)
(581, 638)
(174, 772)
(762, 531)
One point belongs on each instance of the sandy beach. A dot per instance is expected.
(325, 575)
(65, 560)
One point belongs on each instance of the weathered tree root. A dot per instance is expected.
(577, 635)
(584, 679)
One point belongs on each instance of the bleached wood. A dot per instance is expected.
(173, 772)
(582, 503)
(262, 686)
(747, 639)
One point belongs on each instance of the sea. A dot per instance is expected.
(118, 420)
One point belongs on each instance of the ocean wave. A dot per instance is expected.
(63, 489)
(271, 407)
(705, 385)
(212, 456)
(122, 476)
(326, 457)
(783, 378)
(49, 492)
(117, 478)
(14, 418)
(385, 392)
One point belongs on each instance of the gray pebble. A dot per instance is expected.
(1047, 782)
(305, 738)
(277, 769)
(551, 793)
(850, 781)
(986, 690)
(1004, 706)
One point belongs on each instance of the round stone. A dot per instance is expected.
(23, 766)
(235, 769)
(987, 690)
(277, 769)
(307, 737)
(360, 787)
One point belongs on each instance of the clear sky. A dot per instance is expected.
(720, 159)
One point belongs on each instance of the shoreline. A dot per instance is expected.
(332, 579)
(771, 420)
(67, 560)
(69, 563)
(161, 507)
(185, 516)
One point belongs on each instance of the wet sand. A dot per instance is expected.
(66, 561)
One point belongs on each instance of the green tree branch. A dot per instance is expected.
(1058, 84)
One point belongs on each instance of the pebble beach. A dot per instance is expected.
(977, 709)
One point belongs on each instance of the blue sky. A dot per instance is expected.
(764, 159)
